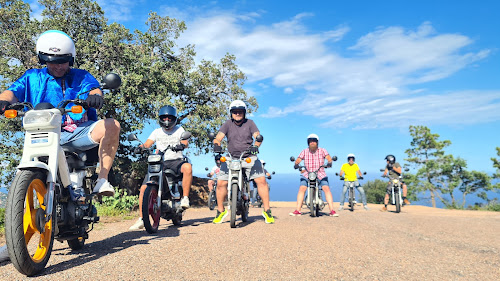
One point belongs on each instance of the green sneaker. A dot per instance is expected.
(220, 216)
(268, 216)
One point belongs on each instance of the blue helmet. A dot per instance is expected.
(165, 111)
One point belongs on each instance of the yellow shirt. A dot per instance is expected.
(350, 171)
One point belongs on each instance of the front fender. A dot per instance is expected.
(33, 164)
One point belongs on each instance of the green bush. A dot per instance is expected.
(375, 191)
(119, 204)
(2, 221)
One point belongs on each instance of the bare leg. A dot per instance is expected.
(187, 178)
(210, 185)
(300, 196)
(263, 190)
(221, 194)
(141, 196)
(329, 197)
(107, 133)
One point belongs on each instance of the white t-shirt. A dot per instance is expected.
(215, 171)
(163, 139)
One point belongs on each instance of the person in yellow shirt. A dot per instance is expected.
(350, 169)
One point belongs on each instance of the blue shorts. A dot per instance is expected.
(305, 182)
(80, 138)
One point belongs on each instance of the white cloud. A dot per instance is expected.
(372, 87)
(119, 10)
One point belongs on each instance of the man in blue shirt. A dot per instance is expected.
(57, 82)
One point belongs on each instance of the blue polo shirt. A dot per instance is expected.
(37, 86)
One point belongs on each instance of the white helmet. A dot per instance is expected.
(56, 47)
(351, 155)
(237, 104)
(312, 137)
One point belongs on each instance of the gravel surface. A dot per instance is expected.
(421, 243)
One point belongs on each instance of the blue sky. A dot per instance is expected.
(357, 73)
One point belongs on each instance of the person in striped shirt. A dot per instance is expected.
(314, 157)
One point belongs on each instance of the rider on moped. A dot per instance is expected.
(350, 169)
(314, 157)
(58, 82)
(394, 169)
(169, 133)
(240, 133)
(213, 173)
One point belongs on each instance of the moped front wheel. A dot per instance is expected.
(212, 200)
(312, 204)
(245, 204)
(28, 237)
(351, 198)
(398, 202)
(150, 210)
(234, 204)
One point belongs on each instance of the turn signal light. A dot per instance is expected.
(248, 160)
(76, 109)
(223, 159)
(11, 113)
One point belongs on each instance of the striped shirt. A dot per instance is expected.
(313, 161)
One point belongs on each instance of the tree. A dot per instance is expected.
(154, 71)
(375, 191)
(496, 165)
(425, 154)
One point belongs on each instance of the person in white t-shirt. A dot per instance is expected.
(169, 133)
(213, 173)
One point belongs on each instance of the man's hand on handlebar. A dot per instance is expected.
(96, 101)
(217, 148)
(296, 166)
(254, 150)
(329, 164)
(3, 106)
(138, 150)
(179, 147)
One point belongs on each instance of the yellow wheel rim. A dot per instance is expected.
(34, 200)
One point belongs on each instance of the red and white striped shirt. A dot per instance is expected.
(313, 161)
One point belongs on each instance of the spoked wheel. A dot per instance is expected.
(29, 239)
(150, 210)
(212, 200)
(76, 244)
(312, 205)
(234, 203)
(398, 202)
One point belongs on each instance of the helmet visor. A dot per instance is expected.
(56, 59)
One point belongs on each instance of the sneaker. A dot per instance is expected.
(296, 213)
(384, 209)
(185, 202)
(139, 224)
(366, 207)
(406, 201)
(220, 216)
(341, 208)
(268, 216)
(333, 214)
(104, 188)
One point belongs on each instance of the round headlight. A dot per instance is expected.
(312, 176)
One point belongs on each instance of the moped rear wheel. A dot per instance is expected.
(312, 205)
(398, 203)
(234, 204)
(77, 243)
(29, 239)
(150, 210)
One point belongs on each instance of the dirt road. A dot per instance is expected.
(420, 243)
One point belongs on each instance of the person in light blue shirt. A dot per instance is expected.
(58, 82)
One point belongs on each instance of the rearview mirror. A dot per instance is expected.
(334, 158)
(259, 138)
(206, 169)
(273, 173)
(211, 135)
(132, 137)
(382, 170)
(406, 169)
(111, 81)
(185, 135)
(292, 158)
(364, 173)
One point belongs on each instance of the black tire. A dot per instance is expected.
(351, 198)
(312, 205)
(177, 220)
(77, 243)
(212, 200)
(245, 204)
(26, 184)
(398, 203)
(234, 203)
(150, 211)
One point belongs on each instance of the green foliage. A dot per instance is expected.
(2, 221)
(492, 205)
(375, 191)
(120, 203)
(155, 71)
(496, 165)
